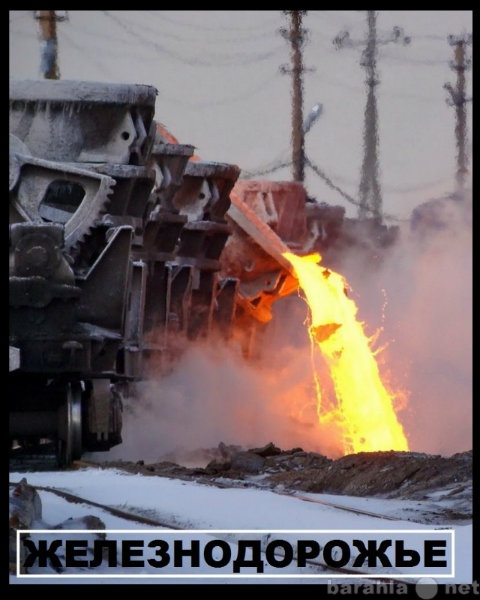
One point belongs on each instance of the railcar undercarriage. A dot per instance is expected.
(121, 240)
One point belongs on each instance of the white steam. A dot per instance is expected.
(425, 286)
(419, 300)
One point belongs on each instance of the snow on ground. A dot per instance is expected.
(180, 505)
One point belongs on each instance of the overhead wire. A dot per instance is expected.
(280, 165)
(221, 60)
(201, 27)
(138, 35)
(184, 101)
(96, 58)
(268, 170)
(254, 34)
(344, 194)
(67, 38)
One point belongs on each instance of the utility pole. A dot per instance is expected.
(459, 100)
(370, 195)
(296, 35)
(48, 36)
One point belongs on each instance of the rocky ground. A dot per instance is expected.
(423, 488)
(399, 475)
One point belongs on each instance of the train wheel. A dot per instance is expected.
(70, 425)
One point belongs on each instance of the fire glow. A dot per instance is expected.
(364, 408)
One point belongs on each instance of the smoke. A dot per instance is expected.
(216, 395)
(415, 300)
(419, 296)
(433, 322)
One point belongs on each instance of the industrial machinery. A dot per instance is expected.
(123, 247)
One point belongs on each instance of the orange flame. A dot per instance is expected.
(364, 408)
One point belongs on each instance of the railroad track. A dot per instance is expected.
(366, 577)
(255, 485)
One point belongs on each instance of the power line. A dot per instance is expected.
(48, 35)
(297, 36)
(369, 190)
(184, 101)
(222, 60)
(318, 171)
(136, 35)
(459, 100)
(252, 34)
(96, 58)
(330, 183)
(385, 93)
(344, 194)
(266, 170)
(416, 62)
(196, 27)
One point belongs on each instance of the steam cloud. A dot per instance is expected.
(417, 299)
(425, 285)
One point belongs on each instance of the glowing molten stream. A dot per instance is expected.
(364, 409)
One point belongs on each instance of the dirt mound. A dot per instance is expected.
(390, 474)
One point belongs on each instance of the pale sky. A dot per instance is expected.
(221, 89)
